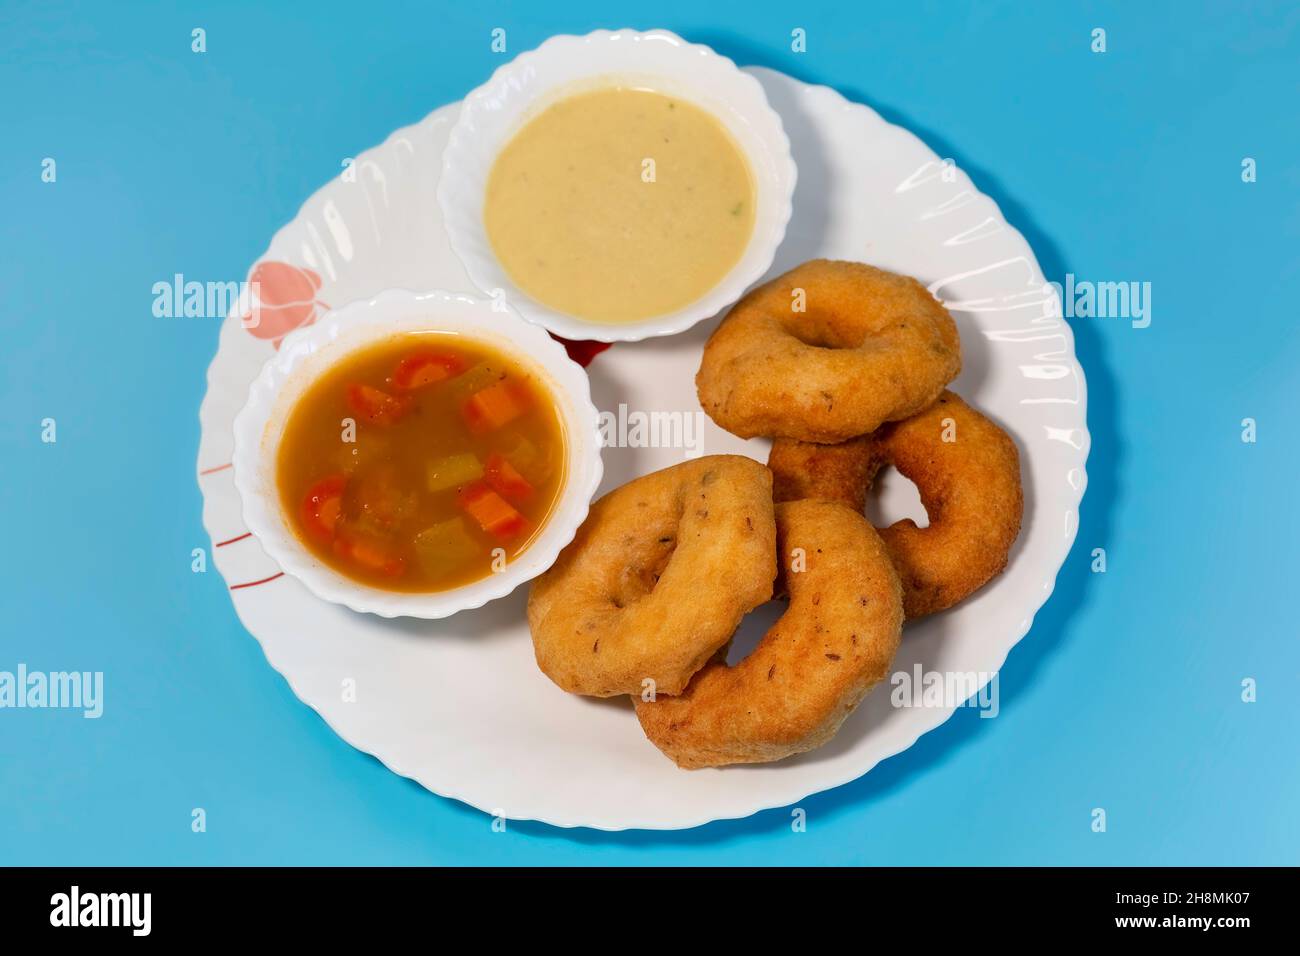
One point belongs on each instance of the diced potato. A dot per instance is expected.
(474, 380)
(446, 546)
(454, 471)
(529, 460)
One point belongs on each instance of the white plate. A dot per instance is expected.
(459, 705)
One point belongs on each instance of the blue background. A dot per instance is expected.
(1117, 166)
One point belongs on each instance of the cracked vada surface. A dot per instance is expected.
(869, 347)
(835, 641)
(657, 578)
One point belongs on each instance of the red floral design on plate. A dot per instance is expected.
(284, 300)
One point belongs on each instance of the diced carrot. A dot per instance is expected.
(477, 377)
(426, 368)
(506, 481)
(494, 406)
(377, 406)
(371, 554)
(493, 513)
(329, 511)
(323, 504)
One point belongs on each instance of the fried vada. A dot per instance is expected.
(657, 578)
(967, 471)
(834, 642)
(828, 351)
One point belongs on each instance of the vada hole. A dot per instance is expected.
(639, 579)
(894, 497)
(824, 335)
(752, 628)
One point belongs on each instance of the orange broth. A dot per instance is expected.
(421, 463)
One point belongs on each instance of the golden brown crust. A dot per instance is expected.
(870, 347)
(970, 486)
(836, 640)
(971, 490)
(842, 472)
(657, 578)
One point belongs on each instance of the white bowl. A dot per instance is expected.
(658, 60)
(307, 352)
